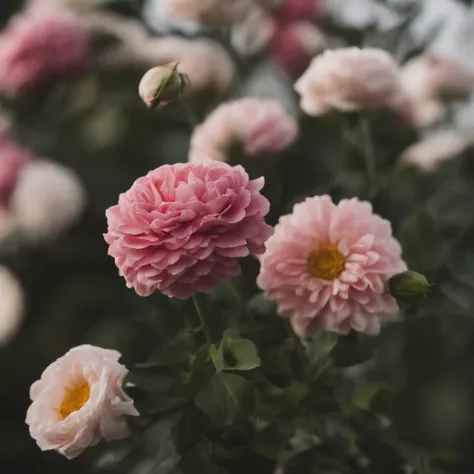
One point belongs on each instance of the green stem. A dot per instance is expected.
(368, 150)
(247, 314)
(300, 350)
(202, 319)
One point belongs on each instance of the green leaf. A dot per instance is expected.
(244, 353)
(292, 395)
(261, 307)
(364, 396)
(226, 398)
(320, 346)
(235, 354)
(177, 351)
(217, 356)
(201, 371)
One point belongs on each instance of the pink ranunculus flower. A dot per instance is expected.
(79, 400)
(327, 266)
(12, 161)
(349, 79)
(181, 228)
(35, 49)
(260, 126)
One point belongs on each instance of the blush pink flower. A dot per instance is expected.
(349, 79)
(294, 45)
(12, 161)
(35, 49)
(327, 267)
(181, 228)
(260, 126)
(79, 400)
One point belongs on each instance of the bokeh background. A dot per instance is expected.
(97, 126)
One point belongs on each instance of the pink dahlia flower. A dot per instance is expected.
(12, 160)
(79, 400)
(260, 126)
(181, 228)
(350, 79)
(36, 49)
(327, 266)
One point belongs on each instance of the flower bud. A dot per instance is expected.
(162, 85)
(408, 285)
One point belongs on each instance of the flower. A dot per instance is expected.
(261, 126)
(349, 79)
(11, 305)
(48, 199)
(181, 228)
(211, 12)
(296, 10)
(162, 85)
(293, 45)
(428, 79)
(431, 76)
(35, 49)
(435, 148)
(79, 400)
(12, 161)
(327, 266)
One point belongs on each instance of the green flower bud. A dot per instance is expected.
(408, 285)
(162, 85)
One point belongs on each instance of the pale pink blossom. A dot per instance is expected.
(432, 76)
(428, 79)
(181, 228)
(13, 159)
(327, 266)
(260, 126)
(79, 400)
(349, 79)
(35, 49)
(211, 12)
(11, 305)
(47, 200)
(435, 149)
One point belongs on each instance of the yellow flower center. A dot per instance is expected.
(74, 399)
(325, 263)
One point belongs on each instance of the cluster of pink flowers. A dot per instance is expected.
(181, 228)
(259, 126)
(35, 49)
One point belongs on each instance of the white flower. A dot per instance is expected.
(11, 305)
(47, 200)
(79, 400)
(435, 149)
(349, 79)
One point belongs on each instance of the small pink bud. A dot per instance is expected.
(162, 85)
